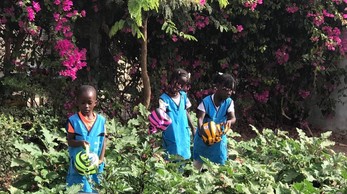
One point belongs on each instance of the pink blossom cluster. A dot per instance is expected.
(196, 63)
(292, 9)
(252, 4)
(202, 2)
(239, 28)
(117, 57)
(73, 58)
(224, 65)
(32, 10)
(334, 39)
(174, 38)
(339, 1)
(318, 18)
(282, 55)
(304, 93)
(262, 97)
(27, 23)
(201, 21)
(134, 69)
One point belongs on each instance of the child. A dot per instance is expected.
(85, 129)
(218, 107)
(174, 101)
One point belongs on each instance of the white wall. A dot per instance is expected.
(337, 123)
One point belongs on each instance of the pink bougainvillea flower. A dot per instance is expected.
(31, 13)
(3, 20)
(36, 6)
(224, 65)
(282, 56)
(20, 3)
(67, 5)
(292, 9)
(239, 28)
(201, 21)
(117, 57)
(57, 2)
(83, 13)
(262, 97)
(314, 39)
(304, 93)
(252, 5)
(202, 2)
(56, 16)
(327, 14)
(318, 20)
(174, 38)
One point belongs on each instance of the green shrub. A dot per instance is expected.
(269, 163)
(9, 132)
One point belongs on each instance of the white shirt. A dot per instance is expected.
(176, 99)
(231, 108)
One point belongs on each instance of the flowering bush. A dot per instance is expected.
(284, 54)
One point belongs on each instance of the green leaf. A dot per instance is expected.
(116, 27)
(223, 3)
(305, 187)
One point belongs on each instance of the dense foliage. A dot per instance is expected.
(285, 54)
(269, 163)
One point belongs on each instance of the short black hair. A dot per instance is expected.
(178, 74)
(85, 88)
(225, 80)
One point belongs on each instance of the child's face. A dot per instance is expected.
(224, 92)
(179, 85)
(87, 102)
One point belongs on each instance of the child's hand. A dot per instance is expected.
(85, 144)
(227, 124)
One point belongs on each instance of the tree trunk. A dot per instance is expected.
(144, 72)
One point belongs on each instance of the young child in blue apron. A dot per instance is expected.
(217, 107)
(86, 129)
(175, 102)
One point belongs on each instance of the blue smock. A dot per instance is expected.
(176, 138)
(95, 136)
(217, 152)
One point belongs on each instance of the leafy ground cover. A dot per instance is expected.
(261, 161)
(339, 137)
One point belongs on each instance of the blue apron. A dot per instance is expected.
(95, 136)
(217, 152)
(176, 138)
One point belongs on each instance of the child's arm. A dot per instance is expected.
(200, 115)
(102, 154)
(75, 143)
(190, 122)
(231, 119)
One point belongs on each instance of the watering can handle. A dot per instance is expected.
(87, 150)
